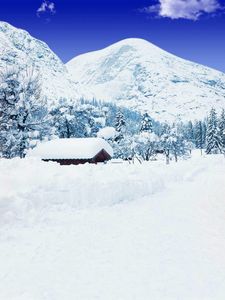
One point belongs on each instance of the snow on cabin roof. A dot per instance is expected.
(73, 148)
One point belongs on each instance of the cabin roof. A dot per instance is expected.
(73, 148)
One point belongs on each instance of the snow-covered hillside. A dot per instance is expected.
(132, 73)
(19, 48)
(149, 231)
(136, 74)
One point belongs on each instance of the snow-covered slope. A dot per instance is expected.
(133, 73)
(112, 232)
(139, 75)
(18, 48)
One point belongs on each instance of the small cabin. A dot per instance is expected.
(73, 151)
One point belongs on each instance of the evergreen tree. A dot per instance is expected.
(190, 132)
(204, 129)
(222, 129)
(199, 135)
(145, 141)
(22, 111)
(146, 123)
(75, 121)
(120, 126)
(213, 141)
(64, 120)
(123, 149)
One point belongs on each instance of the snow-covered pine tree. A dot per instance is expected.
(122, 143)
(222, 129)
(213, 141)
(22, 111)
(63, 119)
(146, 123)
(120, 126)
(86, 120)
(146, 141)
(199, 135)
(190, 132)
(75, 121)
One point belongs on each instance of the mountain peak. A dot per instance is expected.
(135, 42)
(139, 75)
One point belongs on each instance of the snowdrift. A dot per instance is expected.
(86, 232)
(29, 188)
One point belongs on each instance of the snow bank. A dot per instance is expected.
(167, 245)
(29, 187)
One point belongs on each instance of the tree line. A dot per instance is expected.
(26, 119)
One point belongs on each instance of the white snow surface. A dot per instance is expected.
(19, 49)
(136, 74)
(115, 231)
(73, 148)
(107, 133)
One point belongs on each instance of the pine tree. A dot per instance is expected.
(146, 141)
(190, 132)
(75, 121)
(120, 126)
(222, 129)
(213, 141)
(22, 111)
(199, 135)
(146, 123)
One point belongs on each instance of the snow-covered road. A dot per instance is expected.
(166, 243)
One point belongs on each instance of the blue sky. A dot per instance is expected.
(193, 29)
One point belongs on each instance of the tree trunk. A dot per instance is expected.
(175, 155)
(167, 157)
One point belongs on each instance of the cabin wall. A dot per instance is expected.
(101, 156)
(70, 161)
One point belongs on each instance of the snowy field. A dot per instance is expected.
(112, 232)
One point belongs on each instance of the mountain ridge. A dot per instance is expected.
(139, 75)
(132, 39)
(19, 49)
(133, 73)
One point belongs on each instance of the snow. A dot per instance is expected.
(132, 73)
(138, 75)
(114, 231)
(149, 136)
(107, 133)
(73, 148)
(19, 49)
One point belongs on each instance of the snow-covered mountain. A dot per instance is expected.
(136, 74)
(19, 48)
(132, 73)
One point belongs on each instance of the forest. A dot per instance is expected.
(26, 119)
